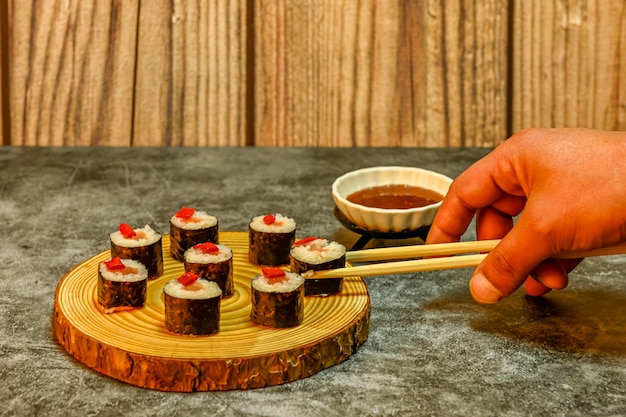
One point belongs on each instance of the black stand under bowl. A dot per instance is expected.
(367, 235)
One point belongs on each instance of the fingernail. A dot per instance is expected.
(483, 291)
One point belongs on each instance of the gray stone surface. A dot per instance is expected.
(431, 351)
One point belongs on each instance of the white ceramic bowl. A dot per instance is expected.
(388, 220)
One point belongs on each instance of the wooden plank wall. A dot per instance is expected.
(569, 64)
(72, 72)
(380, 73)
(127, 72)
(191, 73)
(5, 137)
(307, 72)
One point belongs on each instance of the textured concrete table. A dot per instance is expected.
(431, 350)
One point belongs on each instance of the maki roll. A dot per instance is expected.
(189, 227)
(270, 239)
(316, 254)
(142, 244)
(122, 285)
(277, 298)
(213, 262)
(192, 305)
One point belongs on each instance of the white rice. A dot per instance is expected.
(199, 220)
(207, 289)
(318, 251)
(116, 275)
(150, 237)
(261, 283)
(282, 225)
(196, 256)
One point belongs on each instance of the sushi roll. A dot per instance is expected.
(316, 254)
(141, 244)
(189, 227)
(277, 298)
(192, 305)
(213, 262)
(270, 239)
(122, 285)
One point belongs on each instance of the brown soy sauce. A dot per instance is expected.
(395, 196)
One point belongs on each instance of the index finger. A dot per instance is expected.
(481, 185)
(451, 220)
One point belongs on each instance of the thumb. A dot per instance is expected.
(508, 265)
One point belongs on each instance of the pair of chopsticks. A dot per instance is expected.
(445, 253)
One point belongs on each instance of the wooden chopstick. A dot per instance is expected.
(433, 264)
(400, 267)
(418, 251)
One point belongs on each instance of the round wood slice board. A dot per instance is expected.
(135, 347)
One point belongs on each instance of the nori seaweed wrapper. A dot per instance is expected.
(150, 255)
(277, 309)
(191, 316)
(270, 249)
(114, 295)
(183, 239)
(326, 286)
(219, 272)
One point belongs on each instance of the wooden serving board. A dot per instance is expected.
(135, 347)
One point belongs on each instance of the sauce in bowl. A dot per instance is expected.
(395, 196)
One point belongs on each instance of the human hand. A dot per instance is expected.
(568, 187)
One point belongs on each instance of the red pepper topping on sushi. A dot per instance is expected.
(273, 272)
(305, 240)
(207, 247)
(185, 213)
(187, 278)
(114, 264)
(269, 219)
(274, 275)
(127, 231)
